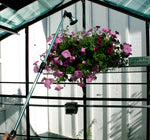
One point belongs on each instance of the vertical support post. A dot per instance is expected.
(148, 79)
(84, 88)
(84, 15)
(27, 79)
(84, 110)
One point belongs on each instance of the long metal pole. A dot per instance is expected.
(148, 79)
(27, 79)
(42, 66)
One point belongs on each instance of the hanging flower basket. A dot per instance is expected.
(81, 55)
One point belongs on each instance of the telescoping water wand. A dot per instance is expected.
(42, 66)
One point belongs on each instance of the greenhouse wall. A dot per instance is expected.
(107, 123)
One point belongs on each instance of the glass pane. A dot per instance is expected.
(12, 19)
(12, 89)
(52, 122)
(140, 7)
(9, 113)
(13, 58)
(118, 123)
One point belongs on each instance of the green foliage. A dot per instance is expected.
(83, 54)
(89, 132)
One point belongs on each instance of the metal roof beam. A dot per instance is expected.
(16, 4)
(8, 30)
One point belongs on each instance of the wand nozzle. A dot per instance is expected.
(73, 20)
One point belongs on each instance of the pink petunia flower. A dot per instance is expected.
(48, 82)
(100, 42)
(90, 30)
(35, 62)
(78, 74)
(82, 51)
(84, 62)
(109, 50)
(51, 80)
(57, 61)
(83, 34)
(98, 27)
(90, 78)
(66, 54)
(111, 46)
(106, 29)
(36, 69)
(58, 40)
(127, 48)
(114, 36)
(72, 58)
(95, 48)
(81, 84)
(114, 61)
(49, 38)
(58, 73)
(48, 68)
(43, 79)
(58, 88)
(117, 32)
(73, 33)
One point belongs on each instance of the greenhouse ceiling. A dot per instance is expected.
(18, 14)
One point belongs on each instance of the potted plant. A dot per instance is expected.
(79, 56)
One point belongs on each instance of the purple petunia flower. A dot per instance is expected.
(66, 63)
(76, 67)
(78, 74)
(95, 68)
(73, 78)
